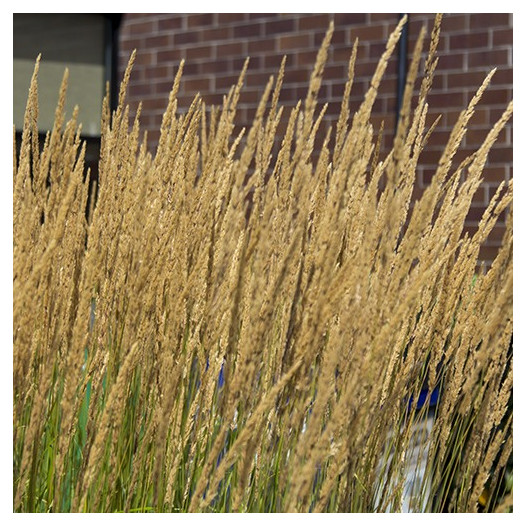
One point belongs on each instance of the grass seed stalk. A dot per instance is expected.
(236, 322)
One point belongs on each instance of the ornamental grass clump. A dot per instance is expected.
(235, 325)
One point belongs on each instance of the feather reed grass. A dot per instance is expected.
(238, 325)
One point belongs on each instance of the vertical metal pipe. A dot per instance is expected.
(111, 55)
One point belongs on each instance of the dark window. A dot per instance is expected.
(83, 43)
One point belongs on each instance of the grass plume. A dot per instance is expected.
(237, 325)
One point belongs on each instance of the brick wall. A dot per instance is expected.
(215, 45)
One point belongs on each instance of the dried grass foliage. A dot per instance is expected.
(321, 298)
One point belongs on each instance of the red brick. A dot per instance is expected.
(501, 155)
(200, 19)
(323, 94)
(472, 79)
(359, 89)
(249, 96)
(496, 96)
(502, 76)
(509, 132)
(375, 49)
(432, 116)
(488, 20)
(156, 103)
(226, 81)
(476, 212)
(489, 58)
(286, 43)
(229, 18)
(487, 254)
(439, 82)
(333, 107)
(248, 30)
(389, 28)
(479, 197)
(376, 121)
(388, 85)
(370, 32)
(153, 137)
(158, 41)
(241, 120)
(496, 113)
(198, 52)
(306, 58)
(173, 55)
(289, 93)
(430, 157)
(214, 98)
(415, 25)
(317, 21)
(495, 174)
(391, 69)
(144, 58)
(345, 19)
(139, 90)
(158, 72)
(274, 61)
(443, 42)
(232, 49)
(365, 69)
(274, 27)
(170, 23)
(194, 85)
(126, 46)
(492, 189)
(470, 229)
(253, 65)
(480, 117)
(422, 16)
(297, 75)
(426, 176)
(190, 68)
(450, 117)
(475, 137)
(163, 87)
(214, 66)
(339, 37)
(186, 37)
(376, 17)
(454, 83)
(217, 33)
(503, 37)
(469, 40)
(438, 139)
(453, 23)
(261, 46)
(496, 235)
(258, 16)
(337, 90)
(389, 104)
(140, 28)
(184, 101)
(336, 72)
(451, 61)
(258, 79)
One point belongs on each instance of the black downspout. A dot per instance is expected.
(402, 67)
(111, 55)
(111, 72)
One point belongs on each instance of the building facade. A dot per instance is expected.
(215, 46)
